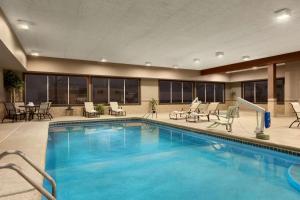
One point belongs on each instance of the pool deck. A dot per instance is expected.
(31, 138)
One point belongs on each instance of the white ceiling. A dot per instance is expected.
(164, 32)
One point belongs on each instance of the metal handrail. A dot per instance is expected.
(17, 169)
(43, 173)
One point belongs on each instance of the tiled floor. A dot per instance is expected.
(31, 138)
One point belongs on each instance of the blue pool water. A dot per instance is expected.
(138, 160)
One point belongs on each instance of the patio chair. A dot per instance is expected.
(42, 111)
(296, 108)
(48, 111)
(226, 120)
(20, 106)
(115, 109)
(89, 110)
(211, 109)
(183, 113)
(12, 113)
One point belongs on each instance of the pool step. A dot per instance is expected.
(294, 176)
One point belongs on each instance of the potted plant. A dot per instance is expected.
(12, 82)
(100, 108)
(153, 103)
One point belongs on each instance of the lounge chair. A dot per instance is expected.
(115, 109)
(211, 109)
(89, 110)
(182, 114)
(296, 108)
(12, 113)
(226, 120)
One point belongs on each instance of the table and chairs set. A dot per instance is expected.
(21, 111)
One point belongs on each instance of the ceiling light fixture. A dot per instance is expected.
(23, 24)
(175, 66)
(34, 53)
(103, 60)
(196, 60)
(220, 54)
(148, 64)
(283, 14)
(246, 58)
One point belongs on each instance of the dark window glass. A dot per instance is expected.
(210, 92)
(200, 91)
(58, 89)
(261, 91)
(36, 88)
(132, 91)
(176, 91)
(219, 92)
(248, 91)
(100, 90)
(117, 90)
(78, 89)
(280, 90)
(164, 91)
(187, 92)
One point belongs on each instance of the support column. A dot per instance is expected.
(272, 101)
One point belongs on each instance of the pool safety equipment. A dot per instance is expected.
(263, 118)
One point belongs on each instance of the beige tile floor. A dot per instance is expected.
(31, 138)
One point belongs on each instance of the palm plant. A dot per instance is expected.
(153, 103)
(12, 82)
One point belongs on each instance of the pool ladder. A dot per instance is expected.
(17, 169)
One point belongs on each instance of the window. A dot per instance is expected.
(210, 91)
(36, 88)
(219, 92)
(116, 90)
(58, 89)
(248, 91)
(175, 92)
(210, 96)
(132, 91)
(100, 90)
(187, 89)
(257, 91)
(63, 89)
(261, 94)
(200, 91)
(165, 91)
(113, 89)
(78, 90)
(280, 90)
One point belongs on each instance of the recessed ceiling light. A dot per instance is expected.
(220, 54)
(175, 66)
(283, 14)
(23, 24)
(196, 60)
(34, 53)
(148, 64)
(246, 58)
(103, 60)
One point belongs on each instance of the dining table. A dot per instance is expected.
(29, 110)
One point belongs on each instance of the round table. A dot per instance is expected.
(29, 110)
